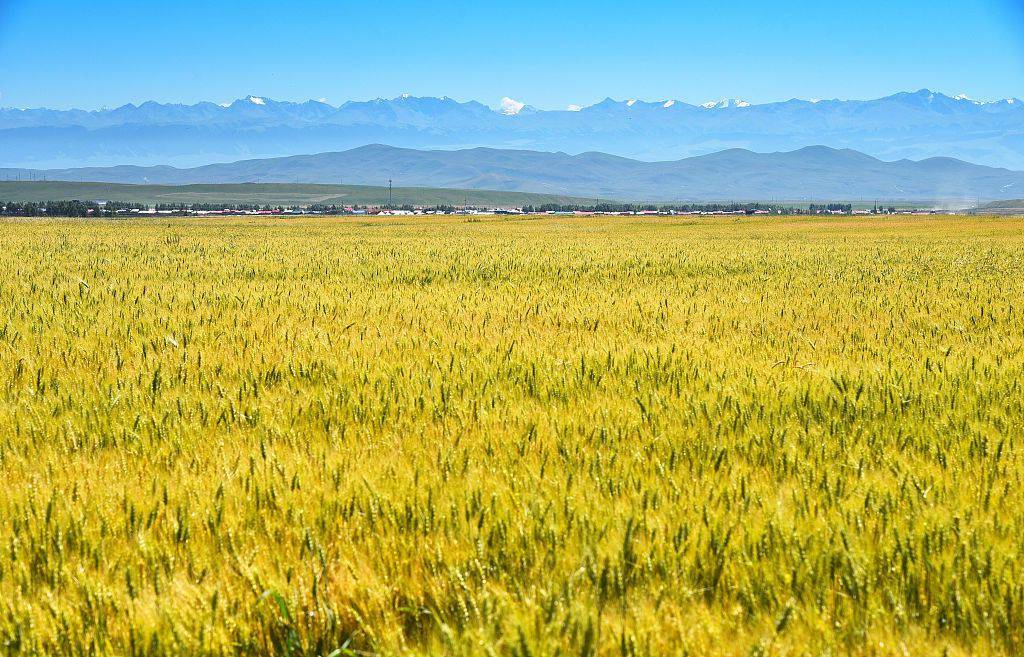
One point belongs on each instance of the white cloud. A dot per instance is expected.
(256, 100)
(510, 107)
(573, 108)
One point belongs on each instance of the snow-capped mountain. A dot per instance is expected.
(725, 103)
(904, 125)
(510, 107)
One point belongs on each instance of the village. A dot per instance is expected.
(121, 209)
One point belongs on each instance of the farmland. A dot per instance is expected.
(268, 193)
(507, 436)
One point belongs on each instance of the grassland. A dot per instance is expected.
(600, 436)
(269, 193)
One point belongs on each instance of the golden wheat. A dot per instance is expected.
(596, 436)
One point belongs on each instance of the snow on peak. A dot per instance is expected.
(725, 103)
(256, 100)
(510, 107)
(573, 108)
(965, 97)
(631, 102)
(225, 104)
(405, 96)
(669, 103)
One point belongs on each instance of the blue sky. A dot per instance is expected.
(548, 53)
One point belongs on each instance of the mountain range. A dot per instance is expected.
(808, 173)
(913, 125)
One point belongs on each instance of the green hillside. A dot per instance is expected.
(268, 193)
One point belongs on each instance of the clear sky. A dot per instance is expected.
(548, 53)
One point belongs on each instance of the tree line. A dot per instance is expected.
(66, 208)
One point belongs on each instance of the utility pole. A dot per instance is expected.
(389, 192)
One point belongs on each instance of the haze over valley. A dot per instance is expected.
(810, 173)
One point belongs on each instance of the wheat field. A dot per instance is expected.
(504, 436)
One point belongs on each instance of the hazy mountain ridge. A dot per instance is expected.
(913, 125)
(734, 174)
(405, 109)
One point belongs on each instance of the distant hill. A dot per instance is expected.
(268, 193)
(1010, 206)
(913, 125)
(735, 174)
